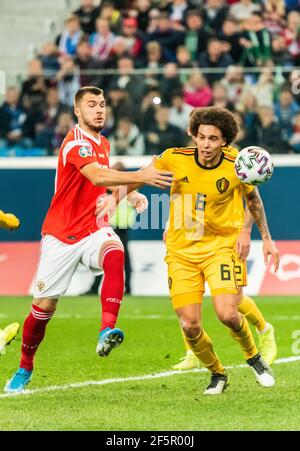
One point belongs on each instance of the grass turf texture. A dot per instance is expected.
(152, 344)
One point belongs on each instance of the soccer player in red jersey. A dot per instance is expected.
(72, 234)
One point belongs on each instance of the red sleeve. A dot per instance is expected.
(79, 154)
(106, 145)
(106, 148)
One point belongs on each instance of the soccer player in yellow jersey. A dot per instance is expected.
(247, 307)
(206, 217)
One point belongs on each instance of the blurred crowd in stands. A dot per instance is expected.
(156, 61)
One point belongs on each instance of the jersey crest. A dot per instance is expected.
(222, 185)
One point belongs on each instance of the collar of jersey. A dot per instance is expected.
(97, 141)
(205, 167)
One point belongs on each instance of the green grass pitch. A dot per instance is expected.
(126, 399)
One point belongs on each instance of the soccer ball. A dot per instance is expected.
(254, 165)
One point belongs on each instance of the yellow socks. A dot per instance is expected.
(249, 309)
(245, 338)
(201, 346)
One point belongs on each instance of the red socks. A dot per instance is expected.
(112, 288)
(111, 297)
(33, 333)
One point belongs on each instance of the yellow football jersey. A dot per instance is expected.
(206, 203)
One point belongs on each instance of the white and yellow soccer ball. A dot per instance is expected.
(254, 165)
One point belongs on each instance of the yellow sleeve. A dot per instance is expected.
(230, 150)
(247, 188)
(162, 162)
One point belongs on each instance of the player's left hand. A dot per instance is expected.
(106, 205)
(269, 248)
(242, 246)
(138, 201)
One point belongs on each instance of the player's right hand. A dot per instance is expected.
(242, 246)
(154, 177)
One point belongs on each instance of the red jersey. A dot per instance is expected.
(71, 215)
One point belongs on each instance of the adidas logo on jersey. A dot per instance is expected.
(184, 179)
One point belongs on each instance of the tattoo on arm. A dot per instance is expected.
(257, 211)
(248, 222)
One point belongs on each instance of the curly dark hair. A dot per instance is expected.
(221, 118)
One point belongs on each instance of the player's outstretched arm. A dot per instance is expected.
(8, 221)
(109, 177)
(107, 205)
(256, 208)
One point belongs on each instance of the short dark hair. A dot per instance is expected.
(221, 118)
(87, 90)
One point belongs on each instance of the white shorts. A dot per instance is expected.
(59, 260)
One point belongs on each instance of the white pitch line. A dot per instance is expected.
(131, 378)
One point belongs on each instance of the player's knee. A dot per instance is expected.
(46, 304)
(229, 318)
(191, 328)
